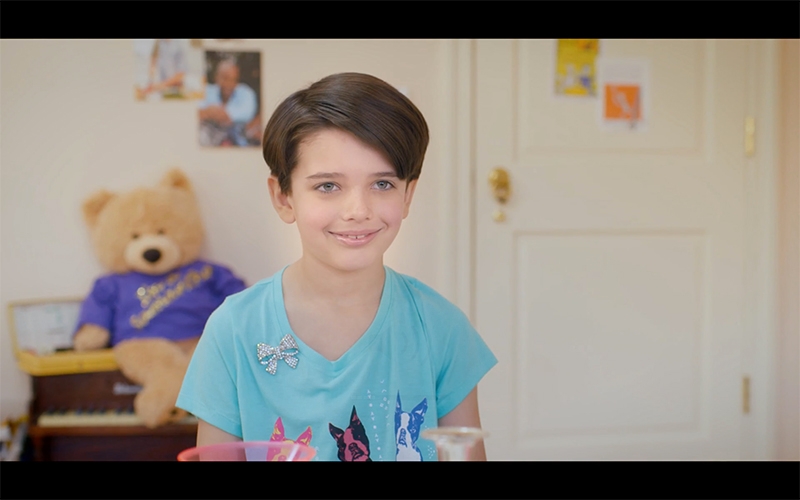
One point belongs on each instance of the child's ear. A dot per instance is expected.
(280, 200)
(409, 194)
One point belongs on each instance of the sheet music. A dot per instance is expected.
(44, 328)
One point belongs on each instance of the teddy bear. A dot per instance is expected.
(152, 305)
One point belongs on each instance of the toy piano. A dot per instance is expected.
(82, 404)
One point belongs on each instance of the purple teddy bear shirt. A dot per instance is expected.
(174, 306)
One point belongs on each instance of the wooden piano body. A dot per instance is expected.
(89, 416)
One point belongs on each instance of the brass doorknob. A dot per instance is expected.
(500, 184)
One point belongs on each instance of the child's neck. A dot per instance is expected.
(329, 310)
(317, 282)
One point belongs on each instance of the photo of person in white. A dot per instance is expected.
(167, 68)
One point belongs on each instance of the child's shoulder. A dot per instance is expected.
(430, 302)
(416, 286)
(255, 295)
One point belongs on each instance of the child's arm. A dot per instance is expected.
(208, 434)
(466, 414)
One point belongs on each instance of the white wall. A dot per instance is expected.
(69, 125)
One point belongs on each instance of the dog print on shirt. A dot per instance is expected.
(407, 427)
(352, 441)
(278, 435)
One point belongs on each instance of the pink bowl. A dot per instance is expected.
(249, 451)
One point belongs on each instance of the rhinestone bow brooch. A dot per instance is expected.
(286, 350)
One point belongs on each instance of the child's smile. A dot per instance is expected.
(355, 238)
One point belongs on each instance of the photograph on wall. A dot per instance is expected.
(624, 94)
(575, 66)
(230, 113)
(168, 69)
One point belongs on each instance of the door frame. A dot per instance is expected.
(457, 238)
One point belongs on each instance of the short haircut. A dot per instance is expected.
(227, 61)
(363, 105)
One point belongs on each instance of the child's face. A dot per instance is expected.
(346, 200)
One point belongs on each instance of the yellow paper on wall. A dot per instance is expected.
(575, 66)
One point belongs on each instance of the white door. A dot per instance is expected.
(613, 292)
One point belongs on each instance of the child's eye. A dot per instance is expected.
(384, 185)
(327, 187)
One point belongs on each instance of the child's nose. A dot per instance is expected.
(357, 206)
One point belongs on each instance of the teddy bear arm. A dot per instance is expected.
(91, 337)
(96, 316)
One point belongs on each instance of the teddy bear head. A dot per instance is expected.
(149, 230)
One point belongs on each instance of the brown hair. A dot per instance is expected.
(363, 105)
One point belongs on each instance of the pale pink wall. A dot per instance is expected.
(788, 362)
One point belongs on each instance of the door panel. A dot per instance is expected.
(612, 292)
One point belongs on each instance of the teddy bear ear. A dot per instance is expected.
(175, 178)
(94, 205)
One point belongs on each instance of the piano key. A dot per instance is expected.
(106, 418)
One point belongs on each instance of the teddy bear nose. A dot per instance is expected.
(151, 255)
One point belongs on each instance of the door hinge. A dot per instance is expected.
(749, 136)
(746, 394)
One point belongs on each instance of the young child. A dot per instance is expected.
(336, 350)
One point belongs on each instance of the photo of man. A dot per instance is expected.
(230, 113)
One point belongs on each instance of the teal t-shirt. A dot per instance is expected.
(252, 377)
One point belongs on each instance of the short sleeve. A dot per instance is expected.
(209, 386)
(462, 359)
(98, 307)
(211, 97)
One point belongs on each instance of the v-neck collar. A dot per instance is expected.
(316, 359)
